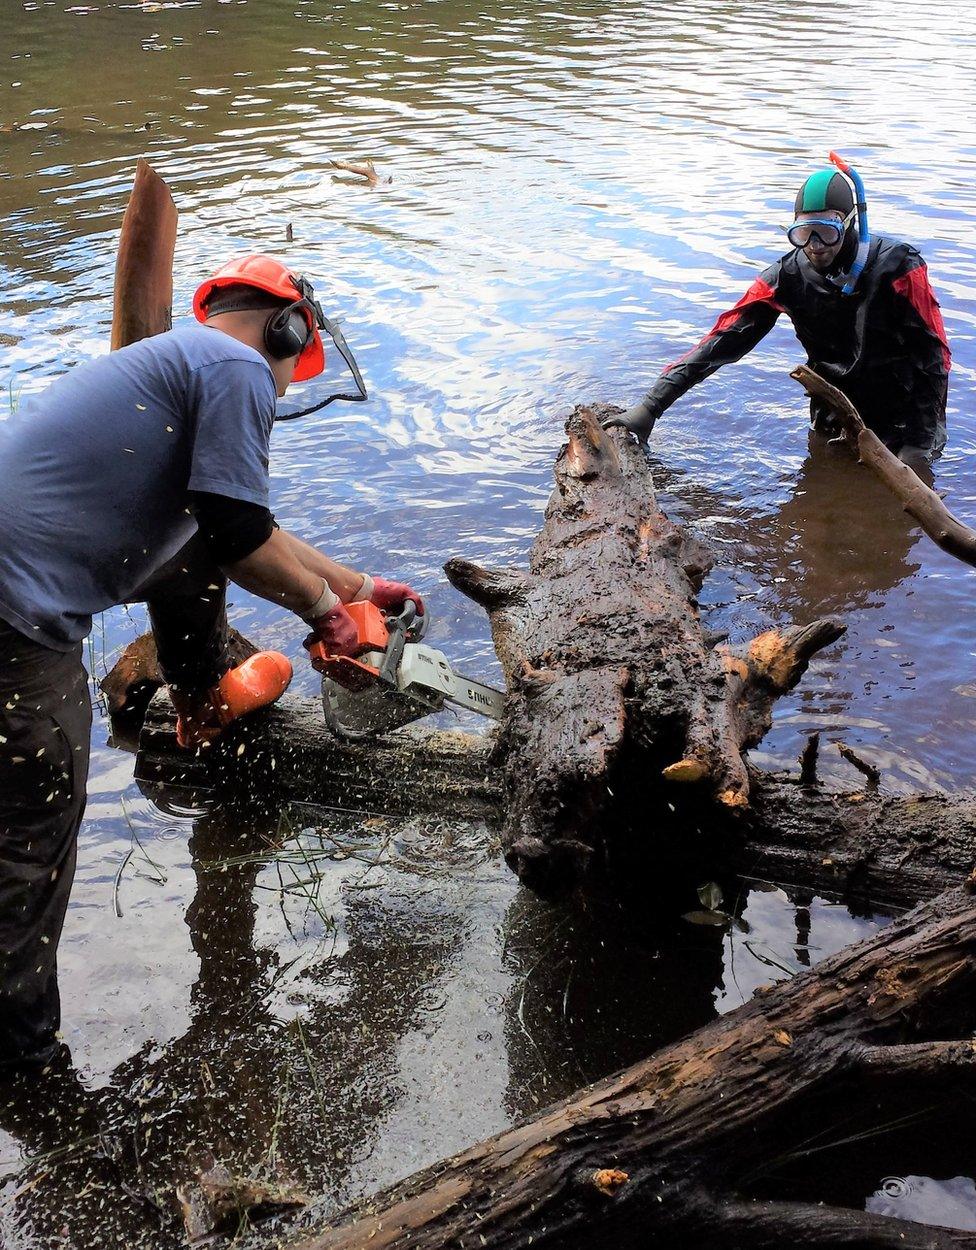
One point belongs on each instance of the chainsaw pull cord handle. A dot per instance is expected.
(342, 347)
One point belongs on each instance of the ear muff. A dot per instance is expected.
(287, 332)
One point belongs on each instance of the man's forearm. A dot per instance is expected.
(343, 581)
(274, 572)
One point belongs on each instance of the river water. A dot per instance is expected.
(571, 194)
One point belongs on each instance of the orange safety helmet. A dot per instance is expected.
(268, 274)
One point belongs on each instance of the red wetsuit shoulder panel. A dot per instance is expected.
(916, 288)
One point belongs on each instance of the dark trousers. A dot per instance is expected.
(45, 731)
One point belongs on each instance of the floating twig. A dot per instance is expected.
(365, 170)
(118, 879)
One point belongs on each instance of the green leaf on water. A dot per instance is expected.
(710, 896)
(706, 917)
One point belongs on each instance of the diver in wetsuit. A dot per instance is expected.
(875, 331)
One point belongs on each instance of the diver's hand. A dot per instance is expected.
(638, 420)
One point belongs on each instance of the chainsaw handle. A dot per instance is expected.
(411, 621)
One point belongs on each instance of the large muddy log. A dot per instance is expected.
(861, 843)
(287, 754)
(669, 1152)
(615, 696)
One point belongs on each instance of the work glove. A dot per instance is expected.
(336, 630)
(392, 596)
(639, 420)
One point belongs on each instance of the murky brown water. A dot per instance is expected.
(576, 192)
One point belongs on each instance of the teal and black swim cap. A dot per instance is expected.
(826, 189)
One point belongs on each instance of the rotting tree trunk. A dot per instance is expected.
(662, 1153)
(611, 683)
(896, 850)
(863, 843)
(286, 753)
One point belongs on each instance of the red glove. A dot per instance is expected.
(336, 630)
(391, 596)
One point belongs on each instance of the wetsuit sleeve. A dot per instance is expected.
(734, 334)
(926, 347)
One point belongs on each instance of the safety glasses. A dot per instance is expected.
(826, 230)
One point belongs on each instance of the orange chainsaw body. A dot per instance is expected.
(353, 672)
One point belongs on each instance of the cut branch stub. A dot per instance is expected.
(144, 267)
(613, 689)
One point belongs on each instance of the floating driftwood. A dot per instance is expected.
(362, 169)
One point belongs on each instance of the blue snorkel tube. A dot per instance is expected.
(863, 237)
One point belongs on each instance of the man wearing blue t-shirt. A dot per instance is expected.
(142, 476)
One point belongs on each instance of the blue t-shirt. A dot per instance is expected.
(94, 472)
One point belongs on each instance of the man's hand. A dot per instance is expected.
(639, 420)
(392, 596)
(336, 630)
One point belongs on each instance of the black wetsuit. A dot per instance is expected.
(884, 346)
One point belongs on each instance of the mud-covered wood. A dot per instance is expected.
(863, 843)
(891, 849)
(666, 1153)
(615, 696)
(144, 267)
(286, 753)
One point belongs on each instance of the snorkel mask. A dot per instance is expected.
(826, 191)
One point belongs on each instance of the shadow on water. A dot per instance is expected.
(287, 1067)
(371, 996)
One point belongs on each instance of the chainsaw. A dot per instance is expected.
(392, 678)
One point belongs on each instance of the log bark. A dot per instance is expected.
(144, 267)
(135, 677)
(863, 844)
(667, 1152)
(286, 753)
(612, 686)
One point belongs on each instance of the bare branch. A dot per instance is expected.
(873, 774)
(917, 1059)
(918, 500)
